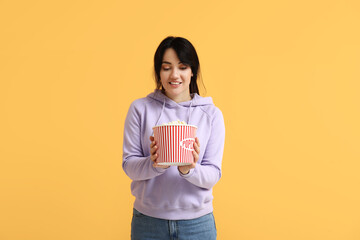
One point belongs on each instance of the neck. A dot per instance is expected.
(179, 99)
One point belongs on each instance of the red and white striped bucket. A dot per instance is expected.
(175, 144)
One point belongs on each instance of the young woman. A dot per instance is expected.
(173, 202)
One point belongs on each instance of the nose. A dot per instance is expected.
(175, 73)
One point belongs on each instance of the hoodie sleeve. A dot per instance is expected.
(135, 164)
(208, 173)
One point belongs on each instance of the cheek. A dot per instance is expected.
(187, 76)
(163, 76)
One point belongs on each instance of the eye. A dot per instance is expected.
(166, 68)
(183, 67)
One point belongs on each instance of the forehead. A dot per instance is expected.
(170, 56)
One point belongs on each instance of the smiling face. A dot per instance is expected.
(175, 77)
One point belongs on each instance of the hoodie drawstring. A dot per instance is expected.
(162, 110)
(189, 112)
(163, 107)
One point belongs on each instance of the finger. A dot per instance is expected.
(196, 156)
(153, 157)
(193, 165)
(197, 148)
(153, 143)
(153, 150)
(155, 165)
(197, 141)
(151, 138)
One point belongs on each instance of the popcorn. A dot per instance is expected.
(178, 122)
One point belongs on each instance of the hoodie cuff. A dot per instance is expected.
(191, 172)
(159, 170)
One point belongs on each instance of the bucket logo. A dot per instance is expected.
(188, 144)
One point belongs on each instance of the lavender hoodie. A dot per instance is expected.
(166, 193)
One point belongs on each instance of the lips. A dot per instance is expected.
(175, 83)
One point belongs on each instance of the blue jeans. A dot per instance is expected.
(144, 227)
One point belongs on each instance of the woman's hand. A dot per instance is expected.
(186, 169)
(153, 154)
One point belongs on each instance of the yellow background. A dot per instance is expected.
(284, 73)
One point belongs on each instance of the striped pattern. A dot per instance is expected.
(175, 144)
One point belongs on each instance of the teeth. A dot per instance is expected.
(175, 83)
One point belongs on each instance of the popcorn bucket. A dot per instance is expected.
(175, 144)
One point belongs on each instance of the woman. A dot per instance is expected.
(173, 202)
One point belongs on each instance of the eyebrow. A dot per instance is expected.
(170, 62)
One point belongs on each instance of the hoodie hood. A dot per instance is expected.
(166, 102)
